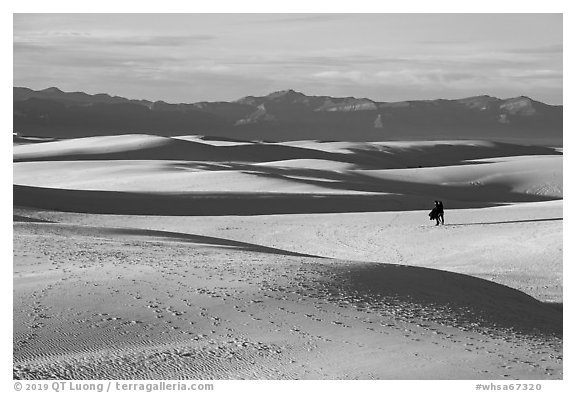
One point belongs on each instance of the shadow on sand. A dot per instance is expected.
(19, 218)
(448, 298)
(223, 204)
(395, 293)
(154, 235)
(505, 222)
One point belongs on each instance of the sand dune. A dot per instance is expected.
(536, 175)
(324, 165)
(100, 303)
(365, 155)
(90, 146)
(209, 141)
(145, 257)
(210, 203)
(159, 176)
(150, 147)
(291, 186)
(516, 245)
(327, 146)
(406, 154)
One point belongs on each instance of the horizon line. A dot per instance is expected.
(288, 90)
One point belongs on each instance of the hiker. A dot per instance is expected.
(434, 212)
(439, 206)
(437, 213)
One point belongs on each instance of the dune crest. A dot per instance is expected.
(149, 257)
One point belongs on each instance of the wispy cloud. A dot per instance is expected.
(539, 50)
(303, 18)
(54, 39)
(342, 52)
(160, 41)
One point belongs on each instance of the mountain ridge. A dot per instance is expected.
(288, 115)
(18, 96)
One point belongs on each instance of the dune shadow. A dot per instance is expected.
(218, 204)
(556, 305)
(156, 235)
(19, 218)
(442, 154)
(356, 181)
(411, 293)
(365, 156)
(506, 222)
(200, 240)
(186, 150)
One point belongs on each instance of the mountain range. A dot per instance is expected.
(288, 115)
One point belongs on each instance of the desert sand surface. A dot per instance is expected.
(142, 257)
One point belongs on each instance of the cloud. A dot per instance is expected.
(98, 55)
(539, 50)
(351, 76)
(344, 60)
(343, 51)
(107, 42)
(304, 18)
(438, 78)
(32, 47)
(159, 41)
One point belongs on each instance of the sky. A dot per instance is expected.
(223, 57)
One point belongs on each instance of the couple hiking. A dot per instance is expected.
(437, 213)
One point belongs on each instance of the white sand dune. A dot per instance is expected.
(408, 148)
(143, 257)
(150, 147)
(156, 176)
(90, 145)
(487, 183)
(345, 146)
(537, 175)
(324, 165)
(331, 147)
(517, 245)
(200, 139)
(102, 302)
(389, 155)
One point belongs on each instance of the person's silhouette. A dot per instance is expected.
(439, 206)
(434, 213)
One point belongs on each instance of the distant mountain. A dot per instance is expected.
(76, 98)
(288, 115)
(313, 103)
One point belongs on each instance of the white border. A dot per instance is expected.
(297, 6)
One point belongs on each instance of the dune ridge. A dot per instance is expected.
(166, 174)
(314, 309)
(376, 155)
(151, 147)
(148, 257)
